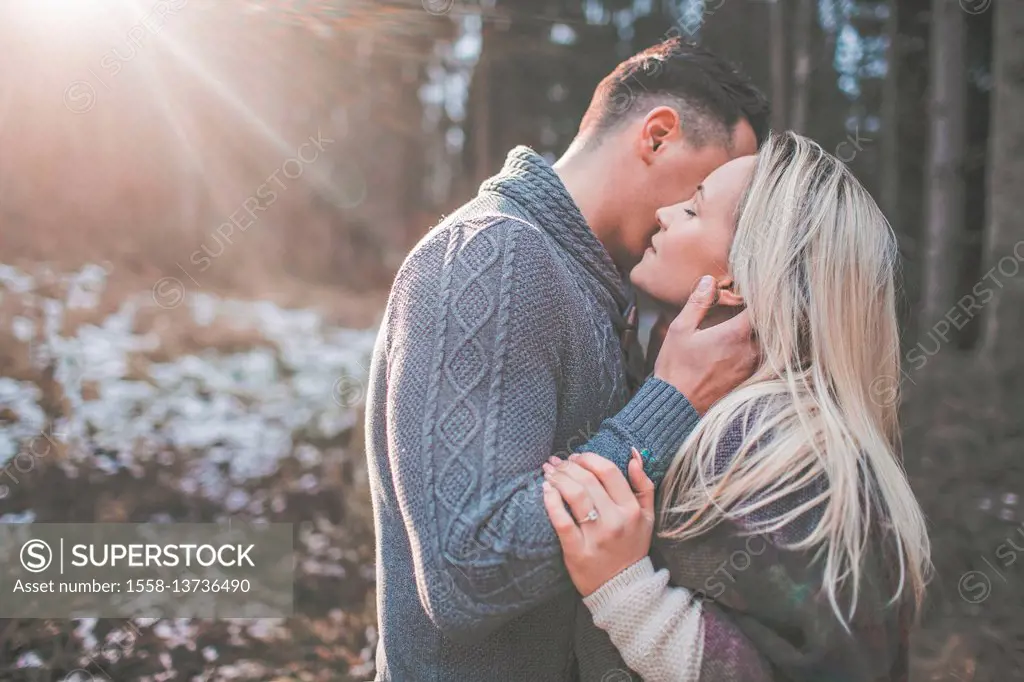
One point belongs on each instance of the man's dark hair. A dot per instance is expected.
(710, 94)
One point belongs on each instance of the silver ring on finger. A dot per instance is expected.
(590, 517)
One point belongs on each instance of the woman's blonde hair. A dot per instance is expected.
(815, 261)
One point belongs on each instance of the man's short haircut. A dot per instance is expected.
(709, 93)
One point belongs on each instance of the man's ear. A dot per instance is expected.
(660, 126)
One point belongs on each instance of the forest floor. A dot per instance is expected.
(197, 408)
(963, 435)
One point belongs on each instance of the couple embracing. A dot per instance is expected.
(742, 512)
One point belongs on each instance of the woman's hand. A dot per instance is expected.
(610, 525)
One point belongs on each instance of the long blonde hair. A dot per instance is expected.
(815, 260)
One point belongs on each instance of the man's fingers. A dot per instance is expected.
(569, 534)
(736, 327)
(738, 330)
(702, 298)
(643, 486)
(608, 474)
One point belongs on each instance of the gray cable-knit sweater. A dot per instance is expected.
(500, 347)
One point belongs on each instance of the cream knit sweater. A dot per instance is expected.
(657, 628)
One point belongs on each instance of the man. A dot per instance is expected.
(508, 338)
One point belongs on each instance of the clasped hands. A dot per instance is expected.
(609, 521)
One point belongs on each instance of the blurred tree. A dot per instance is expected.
(508, 99)
(831, 106)
(735, 31)
(909, 55)
(945, 193)
(978, 67)
(779, 65)
(480, 124)
(802, 26)
(890, 174)
(539, 63)
(1005, 228)
(862, 57)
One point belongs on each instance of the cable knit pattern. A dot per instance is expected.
(500, 347)
(531, 182)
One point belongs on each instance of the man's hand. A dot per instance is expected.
(705, 364)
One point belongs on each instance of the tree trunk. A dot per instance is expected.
(908, 218)
(890, 118)
(483, 165)
(1004, 237)
(803, 25)
(777, 38)
(737, 29)
(944, 210)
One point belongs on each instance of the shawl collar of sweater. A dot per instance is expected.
(530, 181)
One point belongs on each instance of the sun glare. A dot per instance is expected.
(48, 16)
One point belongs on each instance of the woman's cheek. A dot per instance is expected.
(682, 275)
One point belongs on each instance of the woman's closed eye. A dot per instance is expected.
(690, 212)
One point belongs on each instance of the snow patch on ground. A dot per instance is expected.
(246, 410)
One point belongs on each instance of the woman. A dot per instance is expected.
(789, 544)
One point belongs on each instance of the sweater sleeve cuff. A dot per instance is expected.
(608, 593)
(660, 418)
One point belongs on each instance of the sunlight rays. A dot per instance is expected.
(197, 67)
(167, 118)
